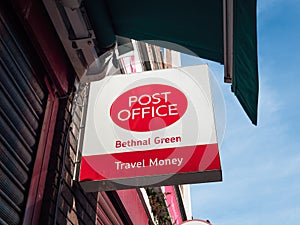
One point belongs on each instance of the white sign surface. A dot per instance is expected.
(148, 124)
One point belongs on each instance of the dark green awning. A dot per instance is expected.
(196, 25)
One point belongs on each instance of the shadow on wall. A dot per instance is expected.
(64, 201)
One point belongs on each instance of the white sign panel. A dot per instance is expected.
(158, 124)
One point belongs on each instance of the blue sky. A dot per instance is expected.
(261, 165)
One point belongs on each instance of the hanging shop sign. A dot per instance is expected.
(151, 128)
(196, 222)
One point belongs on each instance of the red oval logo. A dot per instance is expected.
(149, 107)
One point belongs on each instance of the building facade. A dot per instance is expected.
(41, 65)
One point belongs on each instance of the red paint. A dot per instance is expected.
(133, 205)
(148, 107)
(39, 175)
(172, 204)
(46, 42)
(193, 157)
(132, 64)
(106, 212)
